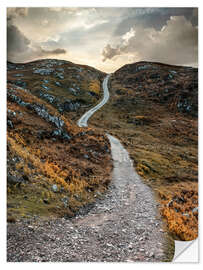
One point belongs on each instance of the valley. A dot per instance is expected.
(59, 172)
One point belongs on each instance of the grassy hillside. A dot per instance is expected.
(54, 167)
(69, 87)
(153, 110)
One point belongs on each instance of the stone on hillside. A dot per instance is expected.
(43, 71)
(21, 84)
(55, 188)
(65, 136)
(58, 84)
(73, 91)
(57, 132)
(70, 106)
(48, 97)
(144, 67)
(46, 201)
(59, 75)
(93, 94)
(13, 180)
(11, 113)
(194, 210)
(154, 76)
(60, 69)
(45, 87)
(18, 75)
(10, 124)
(65, 200)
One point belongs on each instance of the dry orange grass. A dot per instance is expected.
(51, 160)
(177, 203)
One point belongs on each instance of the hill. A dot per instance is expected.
(154, 109)
(67, 86)
(54, 167)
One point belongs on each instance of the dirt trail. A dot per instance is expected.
(124, 226)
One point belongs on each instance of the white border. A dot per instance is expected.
(73, 3)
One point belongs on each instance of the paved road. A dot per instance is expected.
(82, 122)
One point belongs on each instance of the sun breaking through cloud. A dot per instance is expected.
(105, 38)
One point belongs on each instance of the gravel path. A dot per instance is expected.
(82, 122)
(124, 226)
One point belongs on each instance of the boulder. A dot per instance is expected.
(55, 188)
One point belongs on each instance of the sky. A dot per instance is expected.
(105, 38)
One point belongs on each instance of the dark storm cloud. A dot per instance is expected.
(16, 41)
(115, 35)
(175, 43)
(154, 17)
(19, 47)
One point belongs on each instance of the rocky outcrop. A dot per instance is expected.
(173, 86)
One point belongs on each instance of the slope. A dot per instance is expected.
(153, 109)
(54, 167)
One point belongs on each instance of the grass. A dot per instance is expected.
(164, 147)
(42, 162)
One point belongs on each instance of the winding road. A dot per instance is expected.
(129, 206)
(82, 122)
(123, 226)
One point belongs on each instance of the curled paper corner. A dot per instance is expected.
(186, 251)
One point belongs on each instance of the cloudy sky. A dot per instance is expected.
(105, 38)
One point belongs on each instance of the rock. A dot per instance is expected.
(59, 75)
(60, 69)
(194, 210)
(65, 136)
(30, 228)
(93, 94)
(86, 156)
(144, 67)
(20, 84)
(46, 201)
(57, 132)
(45, 87)
(55, 188)
(179, 200)
(43, 71)
(154, 76)
(186, 214)
(170, 204)
(19, 75)
(41, 111)
(70, 106)
(81, 133)
(48, 97)
(151, 254)
(11, 113)
(58, 84)
(173, 71)
(10, 124)
(13, 180)
(73, 91)
(65, 200)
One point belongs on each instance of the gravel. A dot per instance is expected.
(123, 226)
